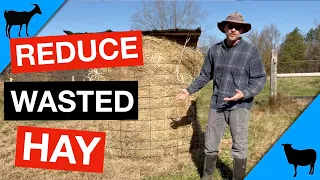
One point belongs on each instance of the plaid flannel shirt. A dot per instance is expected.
(239, 67)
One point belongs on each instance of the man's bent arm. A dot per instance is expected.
(205, 74)
(257, 75)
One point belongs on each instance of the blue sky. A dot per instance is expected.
(99, 15)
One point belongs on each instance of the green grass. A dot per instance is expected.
(307, 86)
(264, 119)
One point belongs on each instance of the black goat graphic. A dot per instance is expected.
(20, 18)
(300, 157)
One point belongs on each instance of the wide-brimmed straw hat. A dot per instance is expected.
(235, 18)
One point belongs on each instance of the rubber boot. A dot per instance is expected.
(209, 166)
(239, 169)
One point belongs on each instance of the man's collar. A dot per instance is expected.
(224, 42)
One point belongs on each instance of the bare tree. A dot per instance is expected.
(269, 38)
(271, 35)
(207, 40)
(168, 15)
(253, 37)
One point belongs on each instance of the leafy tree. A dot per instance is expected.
(291, 50)
(312, 39)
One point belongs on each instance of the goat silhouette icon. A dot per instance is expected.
(20, 18)
(300, 157)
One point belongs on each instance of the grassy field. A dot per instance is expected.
(267, 123)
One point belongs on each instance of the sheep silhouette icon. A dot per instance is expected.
(300, 157)
(20, 18)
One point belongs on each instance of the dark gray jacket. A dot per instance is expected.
(239, 67)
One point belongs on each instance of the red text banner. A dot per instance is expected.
(78, 51)
(60, 149)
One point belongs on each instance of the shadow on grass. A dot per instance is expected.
(197, 143)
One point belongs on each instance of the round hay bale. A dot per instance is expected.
(167, 68)
(164, 125)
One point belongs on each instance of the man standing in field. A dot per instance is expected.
(238, 74)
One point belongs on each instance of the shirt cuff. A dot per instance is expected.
(246, 94)
(190, 90)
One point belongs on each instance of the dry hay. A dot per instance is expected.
(167, 68)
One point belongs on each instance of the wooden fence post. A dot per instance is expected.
(273, 76)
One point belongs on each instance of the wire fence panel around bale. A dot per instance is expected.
(167, 68)
(164, 125)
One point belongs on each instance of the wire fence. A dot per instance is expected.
(301, 66)
(70, 75)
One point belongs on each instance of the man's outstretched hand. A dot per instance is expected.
(183, 93)
(236, 97)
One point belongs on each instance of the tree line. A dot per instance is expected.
(296, 52)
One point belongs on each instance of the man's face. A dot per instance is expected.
(233, 31)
